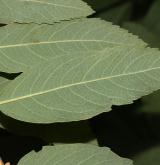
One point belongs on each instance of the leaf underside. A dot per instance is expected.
(81, 85)
(3, 82)
(74, 154)
(24, 46)
(42, 11)
(88, 66)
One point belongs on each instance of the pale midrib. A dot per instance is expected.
(54, 42)
(54, 4)
(72, 85)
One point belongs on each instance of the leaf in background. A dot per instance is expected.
(74, 154)
(23, 46)
(79, 86)
(151, 103)
(42, 11)
(148, 157)
(101, 4)
(1, 126)
(149, 27)
(118, 14)
(151, 21)
(144, 33)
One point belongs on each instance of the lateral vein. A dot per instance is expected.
(53, 4)
(54, 42)
(72, 85)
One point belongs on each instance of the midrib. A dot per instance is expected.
(72, 85)
(54, 42)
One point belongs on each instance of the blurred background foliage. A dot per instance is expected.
(131, 131)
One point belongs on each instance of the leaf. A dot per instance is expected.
(79, 86)
(148, 157)
(151, 103)
(118, 14)
(144, 33)
(3, 83)
(23, 46)
(99, 5)
(149, 27)
(74, 154)
(42, 11)
(1, 126)
(149, 30)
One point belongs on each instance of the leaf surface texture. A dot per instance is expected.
(81, 85)
(24, 46)
(42, 11)
(77, 154)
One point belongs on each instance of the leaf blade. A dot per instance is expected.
(74, 154)
(80, 86)
(40, 11)
(24, 46)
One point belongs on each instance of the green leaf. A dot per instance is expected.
(151, 104)
(118, 14)
(1, 126)
(23, 46)
(149, 27)
(3, 83)
(42, 11)
(75, 154)
(80, 85)
(151, 21)
(149, 30)
(101, 4)
(148, 157)
(144, 33)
